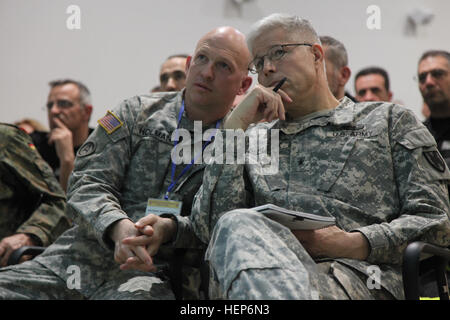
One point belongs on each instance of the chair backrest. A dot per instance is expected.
(413, 257)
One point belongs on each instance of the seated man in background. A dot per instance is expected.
(172, 76)
(336, 63)
(69, 110)
(122, 172)
(31, 201)
(373, 167)
(372, 84)
(434, 85)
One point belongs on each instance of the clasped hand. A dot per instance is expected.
(136, 243)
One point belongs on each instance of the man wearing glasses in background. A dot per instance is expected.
(434, 85)
(69, 109)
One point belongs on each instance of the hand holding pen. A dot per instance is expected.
(279, 84)
(262, 103)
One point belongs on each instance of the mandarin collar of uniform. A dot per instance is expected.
(342, 115)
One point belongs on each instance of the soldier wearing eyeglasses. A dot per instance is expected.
(69, 109)
(434, 85)
(372, 166)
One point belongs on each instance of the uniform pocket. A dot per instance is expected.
(275, 182)
(355, 288)
(330, 166)
(417, 138)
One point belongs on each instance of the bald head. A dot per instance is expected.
(216, 73)
(230, 39)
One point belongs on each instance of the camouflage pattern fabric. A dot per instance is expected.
(113, 178)
(31, 200)
(372, 166)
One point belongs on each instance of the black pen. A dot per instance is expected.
(279, 84)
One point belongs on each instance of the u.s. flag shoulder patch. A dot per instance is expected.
(110, 122)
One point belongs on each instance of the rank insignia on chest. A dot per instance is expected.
(110, 122)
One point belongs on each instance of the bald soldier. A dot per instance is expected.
(123, 171)
(32, 202)
(372, 166)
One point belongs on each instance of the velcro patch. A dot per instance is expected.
(110, 122)
(87, 149)
(435, 159)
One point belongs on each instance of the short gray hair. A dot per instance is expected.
(336, 52)
(85, 94)
(290, 23)
(435, 53)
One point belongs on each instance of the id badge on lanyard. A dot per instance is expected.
(160, 206)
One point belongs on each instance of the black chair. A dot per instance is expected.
(419, 259)
(14, 258)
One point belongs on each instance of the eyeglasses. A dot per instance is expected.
(274, 54)
(435, 73)
(62, 104)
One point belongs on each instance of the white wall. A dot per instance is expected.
(121, 44)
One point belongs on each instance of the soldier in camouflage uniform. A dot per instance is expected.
(373, 166)
(124, 162)
(31, 201)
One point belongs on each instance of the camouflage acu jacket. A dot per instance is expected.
(115, 173)
(372, 166)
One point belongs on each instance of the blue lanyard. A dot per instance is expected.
(174, 182)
